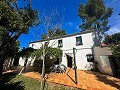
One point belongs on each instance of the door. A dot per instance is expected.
(69, 61)
(106, 65)
(16, 62)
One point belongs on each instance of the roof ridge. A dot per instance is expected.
(82, 32)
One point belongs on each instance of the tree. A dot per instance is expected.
(25, 52)
(53, 34)
(95, 15)
(112, 39)
(114, 43)
(51, 22)
(14, 22)
(116, 55)
(51, 55)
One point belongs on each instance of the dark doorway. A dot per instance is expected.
(115, 66)
(16, 62)
(56, 61)
(69, 61)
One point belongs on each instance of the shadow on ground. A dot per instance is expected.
(71, 77)
(7, 84)
(106, 79)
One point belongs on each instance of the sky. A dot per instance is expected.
(69, 10)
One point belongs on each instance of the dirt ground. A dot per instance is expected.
(85, 79)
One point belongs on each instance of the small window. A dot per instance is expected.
(46, 43)
(60, 43)
(90, 57)
(56, 61)
(79, 41)
(32, 45)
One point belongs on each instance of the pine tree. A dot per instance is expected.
(95, 15)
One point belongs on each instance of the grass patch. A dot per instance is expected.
(11, 81)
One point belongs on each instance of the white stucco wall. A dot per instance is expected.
(68, 44)
(21, 61)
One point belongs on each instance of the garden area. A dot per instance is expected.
(12, 81)
(86, 80)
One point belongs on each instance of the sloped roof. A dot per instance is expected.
(69, 35)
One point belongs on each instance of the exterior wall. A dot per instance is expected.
(102, 59)
(21, 61)
(68, 44)
(30, 61)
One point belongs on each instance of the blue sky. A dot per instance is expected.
(71, 22)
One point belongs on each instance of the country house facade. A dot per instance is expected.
(83, 42)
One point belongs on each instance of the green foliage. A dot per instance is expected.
(54, 52)
(25, 52)
(95, 15)
(116, 55)
(60, 32)
(52, 34)
(19, 82)
(37, 54)
(116, 50)
(112, 39)
(14, 22)
(114, 42)
(51, 53)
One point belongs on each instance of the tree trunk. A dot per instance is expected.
(43, 69)
(43, 66)
(1, 66)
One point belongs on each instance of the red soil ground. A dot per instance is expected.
(86, 80)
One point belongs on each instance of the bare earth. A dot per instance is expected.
(86, 80)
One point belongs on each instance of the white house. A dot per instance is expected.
(83, 42)
(86, 46)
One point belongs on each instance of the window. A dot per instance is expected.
(32, 45)
(56, 61)
(90, 57)
(46, 43)
(60, 43)
(79, 41)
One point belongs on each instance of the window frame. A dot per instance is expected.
(90, 57)
(60, 43)
(79, 40)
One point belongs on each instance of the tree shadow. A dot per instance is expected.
(106, 79)
(7, 84)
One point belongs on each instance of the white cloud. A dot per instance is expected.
(113, 30)
(70, 23)
(73, 25)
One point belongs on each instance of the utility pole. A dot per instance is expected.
(75, 67)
